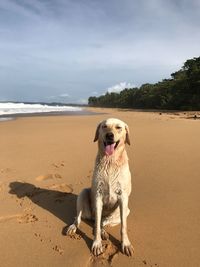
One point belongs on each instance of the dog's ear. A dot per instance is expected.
(127, 135)
(97, 133)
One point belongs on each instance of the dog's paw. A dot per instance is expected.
(71, 230)
(97, 247)
(104, 234)
(127, 249)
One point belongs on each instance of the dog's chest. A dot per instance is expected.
(108, 186)
(110, 194)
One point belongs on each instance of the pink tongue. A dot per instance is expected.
(109, 149)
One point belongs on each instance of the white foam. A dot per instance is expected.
(6, 119)
(10, 108)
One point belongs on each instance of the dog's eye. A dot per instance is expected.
(104, 126)
(118, 127)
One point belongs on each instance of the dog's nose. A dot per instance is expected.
(110, 136)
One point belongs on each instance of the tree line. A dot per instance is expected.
(180, 92)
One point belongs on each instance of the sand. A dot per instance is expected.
(45, 162)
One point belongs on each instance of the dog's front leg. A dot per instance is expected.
(127, 248)
(97, 247)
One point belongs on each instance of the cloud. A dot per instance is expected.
(84, 46)
(119, 87)
(94, 93)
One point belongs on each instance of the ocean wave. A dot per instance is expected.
(10, 108)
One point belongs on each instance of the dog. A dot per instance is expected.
(106, 202)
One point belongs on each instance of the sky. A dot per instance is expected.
(68, 50)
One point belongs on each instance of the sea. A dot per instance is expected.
(10, 110)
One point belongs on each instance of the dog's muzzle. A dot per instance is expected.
(109, 144)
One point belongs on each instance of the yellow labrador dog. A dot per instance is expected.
(107, 200)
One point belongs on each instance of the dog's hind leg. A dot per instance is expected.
(83, 207)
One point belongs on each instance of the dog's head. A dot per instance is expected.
(112, 135)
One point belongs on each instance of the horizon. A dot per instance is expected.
(64, 51)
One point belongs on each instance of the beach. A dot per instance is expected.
(45, 161)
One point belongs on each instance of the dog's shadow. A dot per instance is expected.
(60, 204)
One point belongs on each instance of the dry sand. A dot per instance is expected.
(46, 161)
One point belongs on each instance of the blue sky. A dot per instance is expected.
(61, 50)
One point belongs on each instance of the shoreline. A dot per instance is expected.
(83, 112)
(91, 111)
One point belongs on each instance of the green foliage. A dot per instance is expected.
(181, 92)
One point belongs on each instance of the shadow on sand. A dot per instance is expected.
(60, 204)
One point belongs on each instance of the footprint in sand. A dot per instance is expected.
(39, 237)
(49, 176)
(6, 170)
(58, 249)
(44, 177)
(58, 165)
(58, 176)
(27, 218)
(21, 218)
